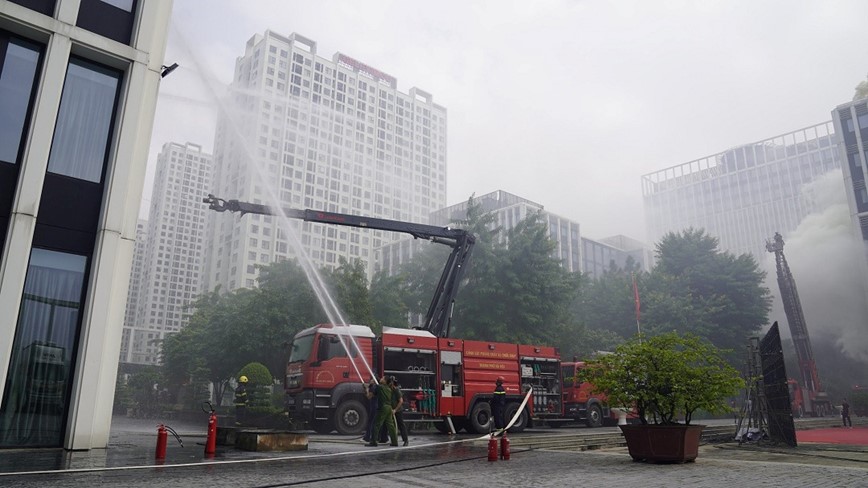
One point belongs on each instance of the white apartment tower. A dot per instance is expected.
(133, 293)
(335, 134)
(172, 263)
(744, 195)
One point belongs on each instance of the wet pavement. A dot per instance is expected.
(431, 460)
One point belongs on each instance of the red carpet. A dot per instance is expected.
(857, 436)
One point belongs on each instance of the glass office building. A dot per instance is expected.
(744, 195)
(78, 88)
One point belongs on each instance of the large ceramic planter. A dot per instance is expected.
(663, 443)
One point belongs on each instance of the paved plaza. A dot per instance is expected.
(430, 461)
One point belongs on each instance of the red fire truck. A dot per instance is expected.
(444, 379)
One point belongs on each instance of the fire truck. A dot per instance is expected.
(445, 380)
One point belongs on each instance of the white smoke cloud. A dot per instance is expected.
(827, 263)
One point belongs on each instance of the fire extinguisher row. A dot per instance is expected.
(504, 447)
(210, 442)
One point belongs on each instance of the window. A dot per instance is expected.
(110, 18)
(37, 390)
(17, 76)
(84, 122)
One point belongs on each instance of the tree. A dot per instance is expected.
(608, 302)
(350, 284)
(696, 288)
(665, 377)
(539, 290)
(389, 304)
(861, 90)
(290, 306)
(478, 313)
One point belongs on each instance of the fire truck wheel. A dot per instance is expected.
(595, 416)
(519, 424)
(351, 417)
(480, 418)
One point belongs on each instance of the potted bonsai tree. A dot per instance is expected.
(666, 378)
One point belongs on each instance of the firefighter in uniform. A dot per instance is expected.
(385, 414)
(241, 401)
(398, 408)
(498, 404)
(373, 406)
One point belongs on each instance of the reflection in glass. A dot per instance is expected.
(84, 121)
(36, 393)
(16, 84)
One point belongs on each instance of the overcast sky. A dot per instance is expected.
(566, 103)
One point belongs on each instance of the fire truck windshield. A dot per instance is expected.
(301, 348)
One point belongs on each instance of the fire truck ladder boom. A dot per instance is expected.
(795, 316)
(439, 317)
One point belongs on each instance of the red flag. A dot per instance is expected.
(636, 296)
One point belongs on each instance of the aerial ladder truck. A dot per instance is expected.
(807, 394)
(445, 380)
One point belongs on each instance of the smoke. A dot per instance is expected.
(828, 265)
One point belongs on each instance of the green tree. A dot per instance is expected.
(608, 302)
(861, 90)
(144, 388)
(665, 377)
(539, 291)
(289, 306)
(389, 300)
(349, 282)
(696, 288)
(478, 313)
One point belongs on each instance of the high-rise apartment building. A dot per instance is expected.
(173, 251)
(744, 195)
(78, 91)
(133, 293)
(335, 134)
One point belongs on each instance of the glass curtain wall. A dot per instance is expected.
(35, 400)
(19, 68)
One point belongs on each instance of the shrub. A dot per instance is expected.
(665, 376)
(259, 384)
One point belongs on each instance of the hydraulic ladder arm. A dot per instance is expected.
(439, 317)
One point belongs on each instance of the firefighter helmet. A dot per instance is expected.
(500, 379)
(242, 379)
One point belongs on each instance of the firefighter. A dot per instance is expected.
(498, 404)
(845, 413)
(241, 401)
(398, 409)
(384, 414)
(373, 405)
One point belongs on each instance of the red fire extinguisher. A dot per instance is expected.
(162, 441)
(504, 447)
(211, 440)
(492, 448)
